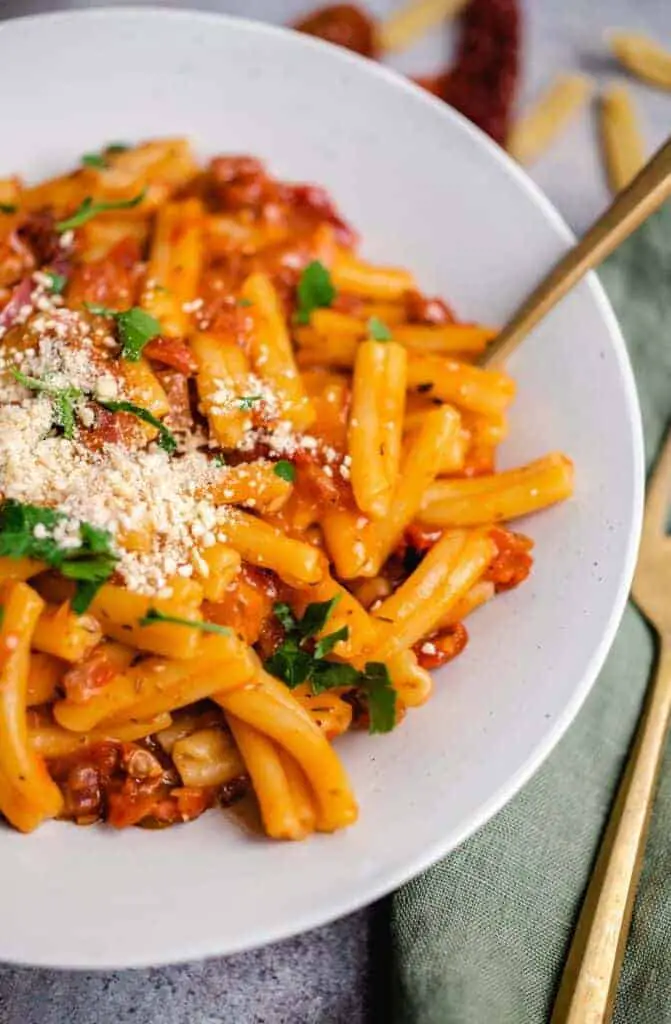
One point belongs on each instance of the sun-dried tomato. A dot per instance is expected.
(483, 81)
(342, 24)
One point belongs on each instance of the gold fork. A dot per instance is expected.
(589, 983)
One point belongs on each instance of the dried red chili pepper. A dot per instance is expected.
(483, 81)
(342, 24)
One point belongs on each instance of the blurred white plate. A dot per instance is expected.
(430, 192)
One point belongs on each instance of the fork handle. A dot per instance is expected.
(589, 983)
(648, 190)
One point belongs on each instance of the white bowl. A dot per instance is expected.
(430, 192)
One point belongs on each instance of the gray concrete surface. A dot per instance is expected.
(338, 974)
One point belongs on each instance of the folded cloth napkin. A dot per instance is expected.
(481, 938)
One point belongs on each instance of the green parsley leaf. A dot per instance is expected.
(293, 662)
(17, 531)
(381, 697)
(90, 565)
(378, 330)
(328, 642)
(114, 148)
(57, 282)
(98, 310)
(315, 290)
(166, 440)
(89, 208)
(64, 400)
(285, 615)
(328, 674)
(136, 328)
(246, 402)
(290, 663)
(8, 207)
(154, 615)
(219, 461)
(316, 616)
(285, 470)
(245, 303)
(94, 160)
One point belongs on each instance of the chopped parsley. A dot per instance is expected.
(153, 616)
(8, 207)
(285, 470)
(245, 303)
(380, 697)
(57, 282)
(378, 330)
(247, 401)
(300, 658)
(64, 400)
(89, 209)
(114, 148)
(27, 531)
(315, 290)
(166, 440)
(94, 160)
(136, 328)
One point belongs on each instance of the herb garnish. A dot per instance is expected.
(136, 328)
(315, 290)
(301, 659)
(246, 402)
(94, 160)
(153, 616)
(285, 470)
(89, 208)
(57, 282)
(8, 207)
(64, 400)
(166, 440)
(27, 531)
(378, 330)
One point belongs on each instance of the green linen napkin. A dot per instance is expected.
(481, 937)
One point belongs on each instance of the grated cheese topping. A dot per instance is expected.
(156, 506)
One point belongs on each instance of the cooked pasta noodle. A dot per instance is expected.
(248, 492)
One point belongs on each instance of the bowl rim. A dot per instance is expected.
(362, 894)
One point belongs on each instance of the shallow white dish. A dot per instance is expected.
(430, 192)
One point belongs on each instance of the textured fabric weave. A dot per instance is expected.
(481, 937)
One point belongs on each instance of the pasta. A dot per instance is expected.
(643, 56)
(621, 138)
(536, 130)
(248, 493)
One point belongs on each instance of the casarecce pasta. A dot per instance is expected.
(248, 493)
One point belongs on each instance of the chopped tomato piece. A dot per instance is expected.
(442, 647)
(89, 677)
(173, 352)
(247, 604)
(420, 309)
(513, 561)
